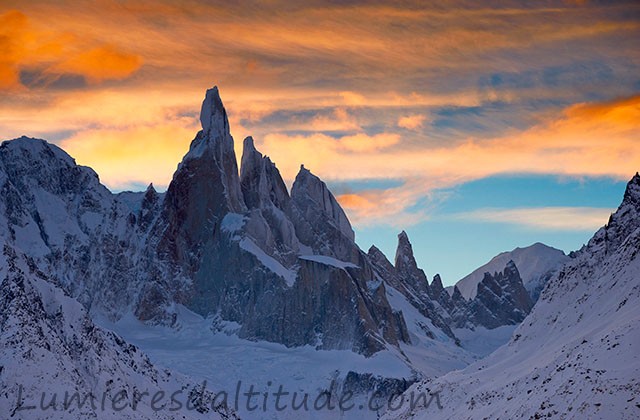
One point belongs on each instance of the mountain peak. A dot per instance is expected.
(511, 266)
(212, 112)
(404, 253)
(215, 137)
(632, 192)
(36, 147)
(304, 172)
(436, 285)
(248, 145)
(309, 190)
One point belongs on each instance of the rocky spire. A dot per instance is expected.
(632, 192)
(150, 193)
(212, 112)
(213, 147)
(501, 299)
(436, 286)
(204, 189)
(405, 261)
(624, 221)
(260, 180)
(407, 267)
(309, 193)
(381, 262)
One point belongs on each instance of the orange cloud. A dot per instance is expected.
(378, 206)
(353, 60)
(411, 122)
(99, 64)
(53, 54)
(318, 150)
(131, 156)
(551, 218)
(586, 140)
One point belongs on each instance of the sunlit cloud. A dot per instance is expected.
(354, 91)
(411, 122)
(587, 140)
(99, 64)
(126, 159)
(50, 54)
(586, 219)
(392, 207)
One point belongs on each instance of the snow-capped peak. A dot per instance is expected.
(33, 147)
(536, 264)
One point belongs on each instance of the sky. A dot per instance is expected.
(477, 127)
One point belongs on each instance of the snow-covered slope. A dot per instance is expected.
(576, 355)
(536, 264)
(50, 350)
(191, 346)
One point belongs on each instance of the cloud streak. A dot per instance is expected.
(430, 95)
(586, 219)
(587, 140)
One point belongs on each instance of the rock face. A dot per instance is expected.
(501, 299)
(204, 189)
(411, 282)
(243, 242)
(59, 213)
(574, 354)
(319, 220)
(407, 268)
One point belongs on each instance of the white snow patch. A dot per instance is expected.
(268, 261)
(482, 341)
(233, 222)
(323, 259)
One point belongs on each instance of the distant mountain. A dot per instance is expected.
(536, 264)
(575, 355)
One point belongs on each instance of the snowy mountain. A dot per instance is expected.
(51, 352)
(284, 267)
(536, 264)
(575, 355)
(226, 263)
(228, 248)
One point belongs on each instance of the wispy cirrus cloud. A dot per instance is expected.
(599, 139)
(340, 87)
(540, 218)
(585, 140)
